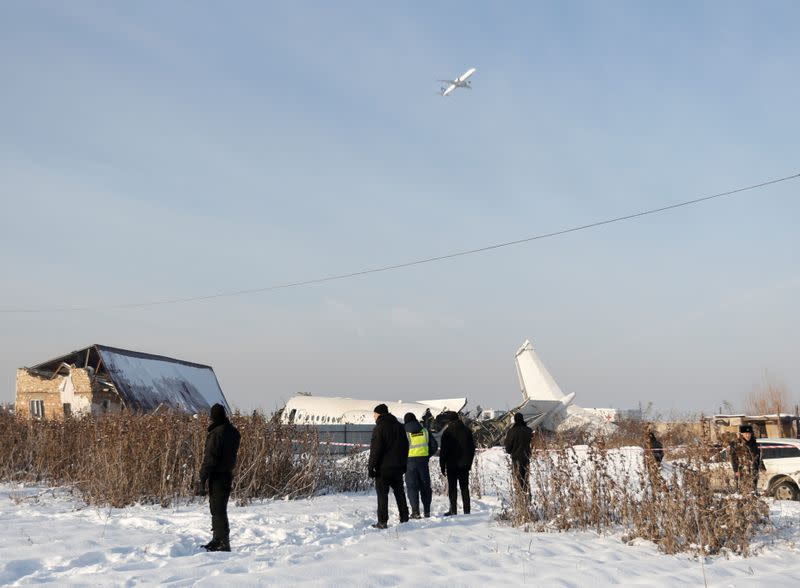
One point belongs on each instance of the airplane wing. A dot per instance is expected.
(446, 81)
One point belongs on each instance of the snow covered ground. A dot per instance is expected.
(49, 537)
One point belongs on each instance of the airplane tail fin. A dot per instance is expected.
(535, 381)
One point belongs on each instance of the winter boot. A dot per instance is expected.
(223, 544)
(211, 545)
(415, 515)
(379, 526)
(219, 545)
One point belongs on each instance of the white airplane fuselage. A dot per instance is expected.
(321, 410)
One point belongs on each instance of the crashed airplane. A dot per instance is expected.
(345, 424)
(543, 402)
(544, 405)
(305, 409)
(344, 421)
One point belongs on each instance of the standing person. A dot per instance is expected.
(219, 459)
(388, 456)
(746, 460)
(421, 446)
(455, 457)
(518, 445)
(653, 446)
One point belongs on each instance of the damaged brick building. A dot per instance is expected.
(99, 379)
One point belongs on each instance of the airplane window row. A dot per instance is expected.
(306, 418)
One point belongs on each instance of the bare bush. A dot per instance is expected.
(126, 458)
(602, 489)
(771, 397)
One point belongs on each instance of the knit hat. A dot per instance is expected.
(450, 416)
(410, 417)
(218, 414)
(381, 409)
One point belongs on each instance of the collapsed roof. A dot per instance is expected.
(144, 381)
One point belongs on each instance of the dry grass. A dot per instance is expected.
(123, 459)
(604, 490)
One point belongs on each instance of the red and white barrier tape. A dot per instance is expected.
(627, 448)
(337, 443)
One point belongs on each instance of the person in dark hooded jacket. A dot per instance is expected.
(654, 448)
(388, 457)
(746, 460)
(219, 459)
(421, 446)
(456, 454)
(518, 445)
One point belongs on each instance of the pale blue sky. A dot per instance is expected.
(154, 150)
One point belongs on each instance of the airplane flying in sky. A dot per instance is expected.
(461, 81)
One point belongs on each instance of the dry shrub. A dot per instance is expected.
(126, 458)
(343, 474)
(602, 489)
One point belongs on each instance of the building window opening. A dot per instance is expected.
(37, 408)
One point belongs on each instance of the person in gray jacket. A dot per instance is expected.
(421, 446)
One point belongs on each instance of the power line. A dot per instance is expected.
(387, 268)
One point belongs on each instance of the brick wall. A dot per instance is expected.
(81, 381)
(33, 387)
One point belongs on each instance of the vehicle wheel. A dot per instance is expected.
(785, 491)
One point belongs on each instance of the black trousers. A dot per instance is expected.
(219, 491)
(521, 471)
(418, 484)
(458, 476)
(382, 486)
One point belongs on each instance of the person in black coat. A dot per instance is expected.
(219, 459)
(654, 447)
(422, 445)
(746, 460)
(518, 445)
(388, 457)
(456, 454)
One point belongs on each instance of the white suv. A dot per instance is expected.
(781, 457)
(781, 478)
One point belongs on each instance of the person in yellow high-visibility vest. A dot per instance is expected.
(421, 446)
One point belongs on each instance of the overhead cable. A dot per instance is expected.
(406, 264)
